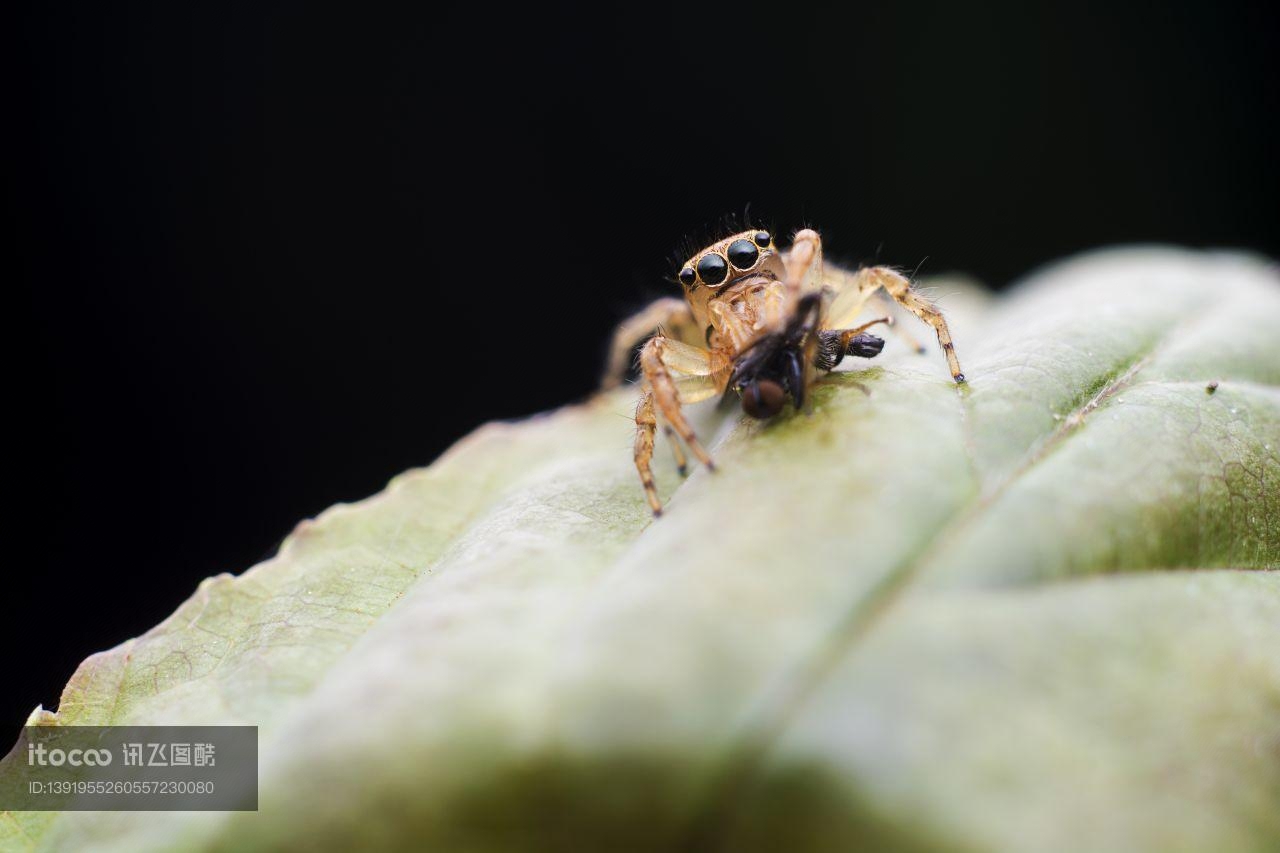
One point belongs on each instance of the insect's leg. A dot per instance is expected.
(669, 312)
(682, 464)
(835, 344)
(657, 379)
(806, 253)
(646, 424)
(847, 334)
(899, 287)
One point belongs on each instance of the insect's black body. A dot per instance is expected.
(774, 366)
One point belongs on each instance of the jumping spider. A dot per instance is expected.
(758, 323)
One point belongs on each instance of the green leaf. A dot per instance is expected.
(1010, 616)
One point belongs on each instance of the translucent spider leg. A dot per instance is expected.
(682, 463)
(849, 297)
(669, 313)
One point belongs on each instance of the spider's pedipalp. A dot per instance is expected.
(805, 254)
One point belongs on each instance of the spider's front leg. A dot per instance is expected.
(660, 391)
(669, 313)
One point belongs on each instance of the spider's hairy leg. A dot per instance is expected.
(899, 287)
(657, 378)
(660, 393)
(668, 312)
(646, 424)
(806, 253)
(900, 330)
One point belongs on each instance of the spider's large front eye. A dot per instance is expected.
(712, 269)
(742, 254)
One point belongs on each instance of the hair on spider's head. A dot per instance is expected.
(713, 232)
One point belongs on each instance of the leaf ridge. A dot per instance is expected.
(870, 607)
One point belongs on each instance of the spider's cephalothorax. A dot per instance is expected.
(757, 323)
(729, 269)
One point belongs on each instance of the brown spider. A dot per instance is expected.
(757, 323)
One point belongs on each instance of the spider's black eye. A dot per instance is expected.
(742, 254)
(687, 276)
(712, 269)
(762, 239)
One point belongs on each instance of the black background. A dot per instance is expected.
(268, 258)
